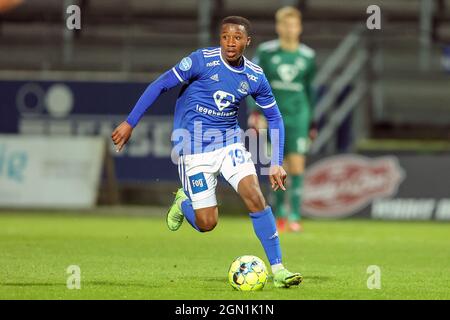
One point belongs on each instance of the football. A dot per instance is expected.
(247, 273)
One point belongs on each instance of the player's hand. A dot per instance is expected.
(277, 176)
(121, 135)
(257, 121)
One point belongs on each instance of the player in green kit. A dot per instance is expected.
(290, 68)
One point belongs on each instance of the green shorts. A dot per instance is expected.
(297, 139)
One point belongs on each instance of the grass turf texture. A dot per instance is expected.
(139, 258)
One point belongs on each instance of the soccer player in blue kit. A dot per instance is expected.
(207, 137)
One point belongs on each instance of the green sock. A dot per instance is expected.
(280, 211)
(296, 197)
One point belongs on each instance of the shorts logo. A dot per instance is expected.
(223, 99)
(185, 64)
(198, 183)
(243, 87)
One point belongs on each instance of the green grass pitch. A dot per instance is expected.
(139, 258)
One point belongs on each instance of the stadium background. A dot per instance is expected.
(384, 110)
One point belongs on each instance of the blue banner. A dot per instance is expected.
(92, 109)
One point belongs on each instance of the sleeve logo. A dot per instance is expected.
(185, 64)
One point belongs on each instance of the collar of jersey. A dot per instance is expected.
(230, 67)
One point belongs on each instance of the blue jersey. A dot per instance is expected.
(208, 104)
(207, 108)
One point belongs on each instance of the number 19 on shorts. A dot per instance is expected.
(237, 156)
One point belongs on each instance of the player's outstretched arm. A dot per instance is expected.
(186, 70)
(165, 82)
(122, 133)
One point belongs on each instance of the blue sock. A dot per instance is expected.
(189, 213)
(266, 230)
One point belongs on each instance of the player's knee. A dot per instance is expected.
(206, 224)
(206, 220)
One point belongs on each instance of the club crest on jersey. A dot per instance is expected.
(243, 87)
(185, 64)
(287, 72)
(223, 99)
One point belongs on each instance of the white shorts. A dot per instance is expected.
(198, 172)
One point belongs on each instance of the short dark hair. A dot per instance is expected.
(240, 21)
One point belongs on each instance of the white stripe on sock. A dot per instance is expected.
(276, 267)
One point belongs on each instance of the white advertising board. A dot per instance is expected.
(49, 172)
